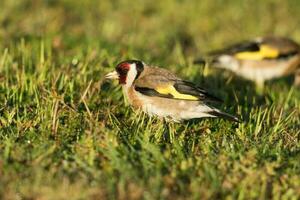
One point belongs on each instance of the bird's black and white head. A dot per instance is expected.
(126, 72)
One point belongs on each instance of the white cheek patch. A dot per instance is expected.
(131, 75)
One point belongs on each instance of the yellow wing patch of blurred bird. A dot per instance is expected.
(265, 51)
(172, 91)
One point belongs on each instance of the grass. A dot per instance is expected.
(67, 134)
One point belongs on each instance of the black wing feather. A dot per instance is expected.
(186, 87)
(151, 92)
(223, 115)
(236, 48)
(182, 87)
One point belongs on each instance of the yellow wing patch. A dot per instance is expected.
(171, 90)
(264, 52)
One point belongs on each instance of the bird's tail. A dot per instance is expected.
(218, 113)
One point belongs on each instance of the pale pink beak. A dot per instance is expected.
(112, 75)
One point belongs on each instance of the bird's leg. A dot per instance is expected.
(259, 86)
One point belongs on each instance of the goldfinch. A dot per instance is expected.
(259, 60)
(159, 92)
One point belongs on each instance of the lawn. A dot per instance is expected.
(66, 133)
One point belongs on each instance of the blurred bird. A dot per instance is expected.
(159, 92)
(259, 60)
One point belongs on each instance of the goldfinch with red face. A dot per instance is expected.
(159, 92)
(259, 60)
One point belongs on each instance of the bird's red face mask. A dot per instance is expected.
(120, 73)
(122, 70)
(126, 72)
